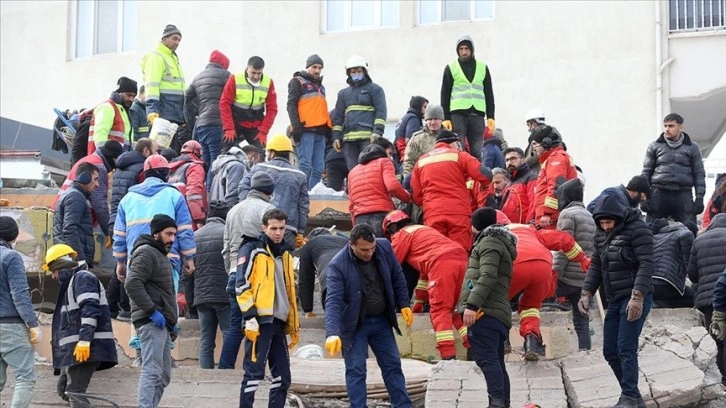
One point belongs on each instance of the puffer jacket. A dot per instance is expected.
(244, 220)
(291, 191)
(708, 260)
(129, 172)
(227, 173)
(188, 173)
(409, 124)
(491, 152)
(578, 222)
(619, 192)
(203, 94)
(210, 275)
(372, 183)
(673, 169)
(360, 111)
(671, 248)
(623, 258)
(420, 143)
(518, 197)
(487, 279)
(73, 225)
(15, 302)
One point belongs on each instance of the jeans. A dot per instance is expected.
(76, 379)
(156, 370)
(232, 337)
(486, 341)
(271, 345)
(17, 353)
(374, 220)
(620, 343)
(470, 127)
(210, 316)
(580, 321)
(375, 331)
(351, 151)
(336, 171)
(720, 355)
(311, 157)
(210, 137)
(665, 295)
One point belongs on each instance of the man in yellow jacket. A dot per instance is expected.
(110, 120)
(165, 87)
(268, 302)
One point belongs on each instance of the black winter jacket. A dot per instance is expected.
(673, 169)
(708, 260)
(210, 276)
(73, 224)
(671, 249)
(128, 168)
(315, 256)
(203, 95)
(623, 258)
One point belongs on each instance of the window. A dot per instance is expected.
(697, 15)
(104, 27)
(350, 15)
(436, 11)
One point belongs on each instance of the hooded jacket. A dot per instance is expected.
(708, 260)
(188, 173)
(72, 223)
(129, 172)
(227, 173)
(491, 153)
(244, 220)
(469, 67)
(672, 245)
(518, 197)
(205, 91)
(210, 275)
(409, 124)
(578, 222)
(372, 183)
(675, 168)
(359, 111)
(623, 258)
(619, 192)
(420, 143)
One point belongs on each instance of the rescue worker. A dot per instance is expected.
(518, 199)
(291, 188)
(266, 296)
(165, 87)
(439, 187)
(309, 118)
(442, 264)
(556, 167)
(82, 338)
(227, 172)
(370, 186)
(110, 120)
(360, 112)
(321, 246)
(187, 173)
(535, 120)
(72, 221)
(409, 124)
(248, 106)
(467, 97)
(424, 140)
(137, 116)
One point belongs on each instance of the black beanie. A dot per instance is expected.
(483, 217)
(170, 29)
(218, 208)
(8, 229)
(126, 85)
(112, 149)
(446, 136)
(639, 184)
(160, 222)
(540, 133)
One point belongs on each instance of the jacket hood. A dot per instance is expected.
(304, 74)
(494, 141)
(568, 192)
(657, 225)
(718, 221)
(372, 152)
(503, 233)
(416, 104)
(146, 239)
(465, 38)
(610, 207)
(149, 187)
(220, 59)
(221, 161)
(128, 159)
(686, 138)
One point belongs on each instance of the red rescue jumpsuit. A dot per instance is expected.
(556, 167)
(442, 264)
(187, 174)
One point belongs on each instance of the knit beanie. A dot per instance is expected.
(125, 84)
(446, 136)
(483, 217)
(8, 229)
(639, 184)
(160, 222)
(263, 182)
(112, 149)
(219, 209)
(169, 154)
(218, 58)
(540, 133)
(170, 29)
(313, 59)
(434, 112)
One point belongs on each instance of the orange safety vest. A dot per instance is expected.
(116, 133)
(312, 107)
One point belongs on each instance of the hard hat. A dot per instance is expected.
(356, 61)
(393, 217)
(193, 147)
(56, 252)
(156, 161)
(279, 143)
(536, 115)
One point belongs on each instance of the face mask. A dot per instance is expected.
(357, 77)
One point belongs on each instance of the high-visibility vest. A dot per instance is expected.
(248, 97)
(118, 129)
(312, 108)
(465, 94)
(172, 78)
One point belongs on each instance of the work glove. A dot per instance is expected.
(158, 319)
(230, 136)
(82, 352)
(446, 125)
(152, 117)
(299, 240)
(262, 137)
(294, 338)
(109, 242)
(297, 131)
(231, 282)
(645, 206)
(252, 329)
(585, 264)
(634, 309)
(333, 345)
(584, 304)
(718, 325)
(36, 336)
(336, 145)
(491, 124)
(407, 315)
(698, 206)
(374, 137)
(417, 306)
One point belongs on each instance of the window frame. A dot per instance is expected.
(440, 12)
(73, 43)
(348, 18)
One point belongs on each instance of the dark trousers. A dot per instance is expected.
(374, 220)
(486, 341)
(470, 128)
(579, 321)
(665, 295)
(677, 204)
(188, 282)
(232, 337)
(244, 134)
(335, 173)
(271, 345)
(183, 134)
(720, 355)
(75, 380)
(116, 295)
(351, 151)
(620, 343)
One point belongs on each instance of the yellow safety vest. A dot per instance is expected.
(250, 97)
(465, 94)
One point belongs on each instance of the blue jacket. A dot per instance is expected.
(128, 167)
(139, 206)
(344, 303)
(73, 224)
(81, 314)
(15, 304)
(491, 153)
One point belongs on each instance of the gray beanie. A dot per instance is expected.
(263, 182)
(8, 229)
(434, 112)
(170, 29)
(314, 59)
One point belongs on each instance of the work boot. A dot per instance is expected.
(497, 403)
(533, 348)
(640, 402)
(137, 361)
(61, 386)
(627, 402)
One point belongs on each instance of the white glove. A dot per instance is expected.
(252, 329)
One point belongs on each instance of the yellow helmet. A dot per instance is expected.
(279, 143)
(56, 252)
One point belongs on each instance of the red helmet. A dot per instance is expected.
(193, 147)
(393, 217)
(502, 218)
(156, 161)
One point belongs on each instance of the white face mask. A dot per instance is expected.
(255, 84)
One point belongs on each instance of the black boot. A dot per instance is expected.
(640, 402)
(533, 348)
(497, 403)
(627, 402)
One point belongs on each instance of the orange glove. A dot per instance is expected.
(82, 352)
(333, 345)
(446, 125)
(491, 124)
(230, 136)
(109, 242)
(152, 117)
(407, 315)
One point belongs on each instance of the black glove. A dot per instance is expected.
(297, 131)
(645, 206)
(698, 206)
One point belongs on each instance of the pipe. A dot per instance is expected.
(658, 63)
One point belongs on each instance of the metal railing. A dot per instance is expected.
(697, 15)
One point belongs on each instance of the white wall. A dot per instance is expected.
(589, 65)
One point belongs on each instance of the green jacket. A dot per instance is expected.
(486, 283)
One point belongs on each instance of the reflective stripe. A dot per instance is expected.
(444, 335)
(358, 134)
(96, 336)
(379, 122)
(254, 382)
(467, 94)
(337, 128)
(250, 389)
(194, 197)
(529, 313)
(86, 296)
(421, 284)
(184, 227)
(89, 320)
(119, 254)
(189, 251)
(574, 252)
(251, 87)
(143, 129)
(152, 84)
(116, 133)
(360, 108)
(171, 92)
(550, 202)
(463, 331)
(120, 233)
(436, 158)
(277, 379)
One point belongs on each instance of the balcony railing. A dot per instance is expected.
(697, 15)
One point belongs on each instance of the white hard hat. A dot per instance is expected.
(356, 61)
(535, 114)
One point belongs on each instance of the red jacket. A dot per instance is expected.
(480, 196)
(372, 183)
(227, 101)
(439, 181)
(187, 173)
(534, 244)
(556, 167)
(517, 203)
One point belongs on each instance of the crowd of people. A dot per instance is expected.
(447, 219)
